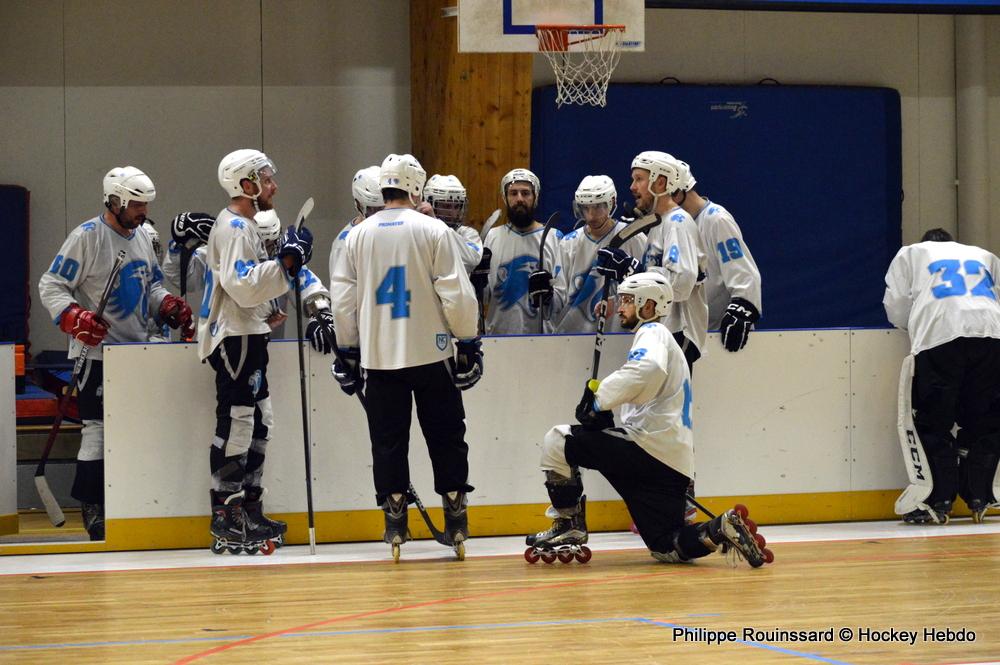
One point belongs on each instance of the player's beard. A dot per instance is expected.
(264, 204)
(628, 323)
(520, 215)
(129, 223)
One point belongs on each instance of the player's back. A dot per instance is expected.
(408, 272)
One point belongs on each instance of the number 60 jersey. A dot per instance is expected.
(400, 291)
(941, 291)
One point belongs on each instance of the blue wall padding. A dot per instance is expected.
(14, 275)
(812, 175)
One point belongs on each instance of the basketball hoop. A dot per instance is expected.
(582, 57)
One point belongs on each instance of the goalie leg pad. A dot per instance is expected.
(918, 469)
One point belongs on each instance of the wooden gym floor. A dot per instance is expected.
(351, 604)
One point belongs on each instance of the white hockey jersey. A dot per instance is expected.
(515, 256)
(653, 391)
(940, 291)
(582, 284)
(401, 291)
(339, 247)
(675, 250)
(81, 269)
(240, 282)
(470, 246)
(195, 277)
(732, 272)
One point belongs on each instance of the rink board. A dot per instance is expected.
(800, 423)
(8, 443)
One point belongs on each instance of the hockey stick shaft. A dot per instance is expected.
(52, 508)
(541, 264)
(186, 253)
(303, 213)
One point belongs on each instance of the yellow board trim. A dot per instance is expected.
(366, 525)
(8, 524)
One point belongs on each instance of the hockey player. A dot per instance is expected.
(943, 293)
(595, 202)
(519, 290)
(189, 233)
(673, 249)
(71, 290)
(399, 297)
(448, 200)
(649, 459)
(233, 334)
(732, 286)
(367, 202)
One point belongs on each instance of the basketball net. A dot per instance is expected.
(583, 58)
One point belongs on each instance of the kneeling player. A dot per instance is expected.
(649, 459)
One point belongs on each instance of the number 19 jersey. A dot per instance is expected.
(941, 291)
(402, 292)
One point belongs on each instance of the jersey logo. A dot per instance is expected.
(213, 329)
(237, 223)
(343, 234)
(637, 354)
(512, 282)
(243, 268)
(88, 226)
(441, 339)
(254, 382)
(130, 292)
(586, 296)
(713, 210)
(570, 235)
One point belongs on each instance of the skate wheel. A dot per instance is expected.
(549, 557)
(218, 548)
(751, 525)
(759, 539)
(279, 542)
(768, 556)
(565, 557)
(741, 510)
(234, 549)
(583, 556)
(530, 555)
(267, 548)
(460, 551)
(395, 552)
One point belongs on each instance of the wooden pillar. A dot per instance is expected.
(470, 112)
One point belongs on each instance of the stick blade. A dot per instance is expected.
(55, 513)
(489, 224)
(304, 212)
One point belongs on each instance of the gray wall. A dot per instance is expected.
(171, 86)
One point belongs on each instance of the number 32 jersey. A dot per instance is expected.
(401, 292)
(940, 291)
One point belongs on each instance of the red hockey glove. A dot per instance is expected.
(84, 325)
(176, 313)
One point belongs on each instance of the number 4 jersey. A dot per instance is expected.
(401, 292)
(940, 291)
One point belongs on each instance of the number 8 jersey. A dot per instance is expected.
(401, 292)
(940, 291)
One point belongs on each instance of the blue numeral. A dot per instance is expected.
(674, 254)
(730, 250)
(985, 285)
(950, 273)
(686, 411)
(206, 301)
(392, 291)
(65, 268)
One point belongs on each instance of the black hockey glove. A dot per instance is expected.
(319, 332)
(348, 373)
(540, 288)
(467, 367)
(590, 419)
(737, 322)
(190, 229)
(480, 275)
(298, 246)
(617, 264)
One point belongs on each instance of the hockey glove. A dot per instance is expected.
(176, 313)
(540, 288)
(348, 372)
(588, 416)
(190, 229)
(737, 322)
(296, 249)
(467, 367)
(84, 325)
(617, 264)
(480, 275)
(319, 332)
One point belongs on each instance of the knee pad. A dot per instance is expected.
(240, 430)
(554, 451)
(91, 441)
(564, 492)
(262, 429)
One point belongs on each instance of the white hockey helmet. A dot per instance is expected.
(646, 286)
(128, 184)
(268, 225)
(366, 191)
(403, 172)
(244, 164)
(154, 237)
(520, 175)
(447, 196)
(594, 189)
(676, 172)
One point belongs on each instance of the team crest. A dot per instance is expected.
(442, 341)
(254, 382)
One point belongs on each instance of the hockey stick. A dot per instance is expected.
(553, 218)
(630, 231)
(186, 253)
(489, 224)
(299, 220)
(55, 513)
